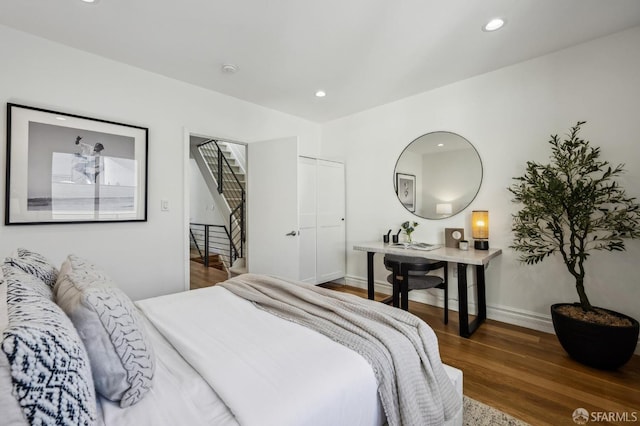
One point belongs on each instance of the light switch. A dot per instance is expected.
(164, 205)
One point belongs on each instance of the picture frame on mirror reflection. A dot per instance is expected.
(406, 190)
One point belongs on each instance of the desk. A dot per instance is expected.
(463, 258)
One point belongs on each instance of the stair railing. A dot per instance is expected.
(231, 188)
(212, 239)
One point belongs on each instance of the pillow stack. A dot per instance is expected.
(122, 359)
(45, 376)
(66, 335)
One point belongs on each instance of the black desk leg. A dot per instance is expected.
(482, 297)
(463, 302)
(370, 287)
(466, 328)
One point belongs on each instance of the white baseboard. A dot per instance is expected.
(504, 314)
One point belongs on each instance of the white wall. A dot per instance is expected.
(508, 116)
(144, 258)
(202, 208)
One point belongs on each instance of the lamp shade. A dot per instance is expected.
(444, 208)
(480, 224)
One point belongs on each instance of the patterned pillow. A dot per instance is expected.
(43, 361)
(121, 355)
(4, 320)
(87, 274)
(27, 280)
(9, 407)
(34, 264)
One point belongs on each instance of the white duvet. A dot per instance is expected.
(266, 370)
(179, 396)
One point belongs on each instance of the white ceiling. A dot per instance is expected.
(363, 53)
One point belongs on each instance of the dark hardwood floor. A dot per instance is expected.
(520, 371)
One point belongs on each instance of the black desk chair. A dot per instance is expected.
(415, 268)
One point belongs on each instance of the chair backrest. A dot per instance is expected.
(413, 263)
(419, 268)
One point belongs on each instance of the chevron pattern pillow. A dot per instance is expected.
(35, 264)
(122, 358)
(45, 360)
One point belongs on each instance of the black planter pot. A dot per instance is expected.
(596, 345)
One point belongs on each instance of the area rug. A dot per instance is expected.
(479, 414)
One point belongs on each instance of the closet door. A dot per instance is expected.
(330, 233)
(307, 204)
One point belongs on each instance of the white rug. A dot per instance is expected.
(479, 414)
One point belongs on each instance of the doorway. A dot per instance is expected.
(216, 171)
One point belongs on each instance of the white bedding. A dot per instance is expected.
(243, 352)
(265, 370)
(179, 395)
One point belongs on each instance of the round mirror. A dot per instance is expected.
(438, 175)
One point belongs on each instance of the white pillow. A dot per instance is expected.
(35, 264)
(4, 319)
(122, 359)
(9, 407)
(45, 377)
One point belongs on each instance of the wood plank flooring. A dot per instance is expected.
(202, 276)
(520, 371)
(526, 373)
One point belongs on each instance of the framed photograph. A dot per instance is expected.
(406, 190)
(453, 236)
(65, 168)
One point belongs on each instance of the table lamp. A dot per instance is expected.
(480, 229)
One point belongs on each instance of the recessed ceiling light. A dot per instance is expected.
(321, 94)
(61, 118)
(90, 1)
(494, 24)
(440, 144)
(229, 68)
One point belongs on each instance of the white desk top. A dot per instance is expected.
(470, 257)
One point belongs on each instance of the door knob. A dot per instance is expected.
(291, 234)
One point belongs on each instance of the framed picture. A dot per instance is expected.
(65, 168)
(453, 236)
(406, 190)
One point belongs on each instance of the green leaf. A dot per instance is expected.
(571, 206)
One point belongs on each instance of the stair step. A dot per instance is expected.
(214, 261)
(239, 174)
(213, 164)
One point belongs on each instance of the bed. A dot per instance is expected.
(210, 356)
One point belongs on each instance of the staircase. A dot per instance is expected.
(214, 261)
(210, 246)
(229, 181)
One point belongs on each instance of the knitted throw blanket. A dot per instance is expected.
(401, 348)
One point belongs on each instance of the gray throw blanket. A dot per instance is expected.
(401, 348)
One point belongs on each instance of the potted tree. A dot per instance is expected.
(572, 206)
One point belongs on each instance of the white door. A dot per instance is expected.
(331, 250)
(272, 208)
(307, 195)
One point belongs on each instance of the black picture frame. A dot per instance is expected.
(406, 190)
(68, 168)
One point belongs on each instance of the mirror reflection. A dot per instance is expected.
(438, 175)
